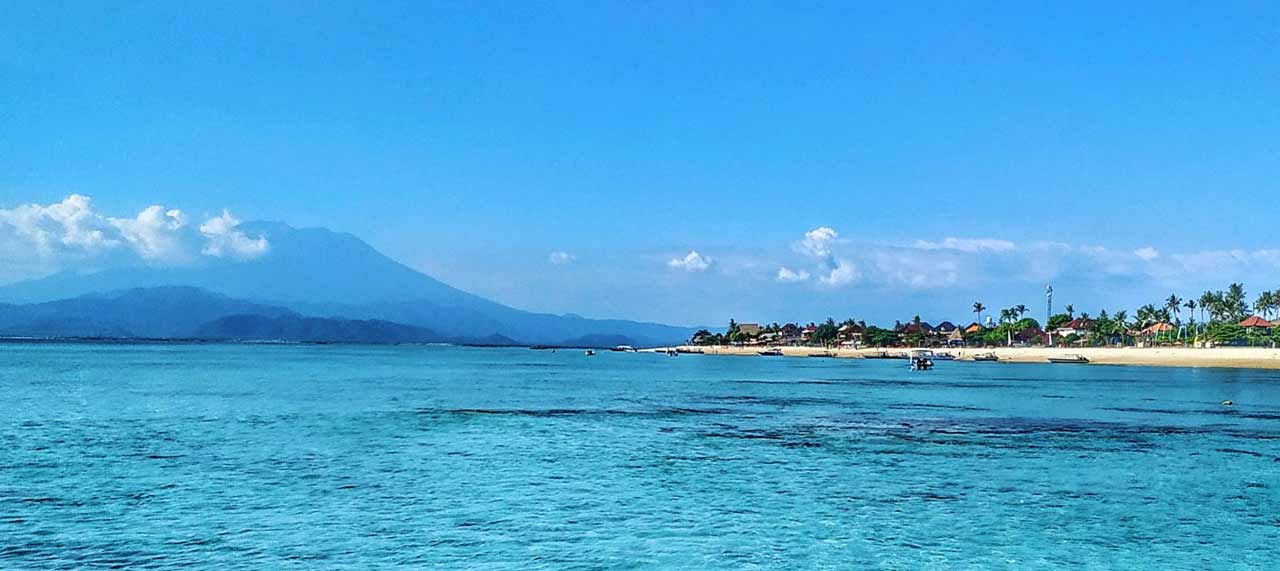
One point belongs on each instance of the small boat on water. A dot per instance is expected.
(775, 352)
(623, 349)
(943, 357)
(824, 354)
(673, 353)
(691, 351)
(1068, 359)
(921, 360)
(878, 355)
(589, 353)
(986, 357)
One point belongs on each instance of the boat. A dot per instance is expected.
(623, 349)
(986, 357)
(775, 352)
(877, 355)
(921, 360)
(827, 354)
(589, 352)
(690, 351)
(1066, 359)
(943, 357)
(673, 353)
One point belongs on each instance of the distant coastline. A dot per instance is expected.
(1224, 357)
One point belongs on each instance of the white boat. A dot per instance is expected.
(775, 352)
(1068, 359)
(921, 360)
(623, 349)
(589, 352)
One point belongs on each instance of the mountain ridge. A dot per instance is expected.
(321, 273)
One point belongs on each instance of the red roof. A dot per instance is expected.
(1256, 321)
(1079, 324)
(1157, 328)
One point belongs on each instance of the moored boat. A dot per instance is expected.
(986, 357)
(1069, 359)
(775, 352)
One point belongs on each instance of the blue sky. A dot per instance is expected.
(1121, 152)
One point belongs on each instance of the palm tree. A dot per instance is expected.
(1071, 311)
(1235, 304)
(1174, 305)
(1191, 306)
(1121, 324)
(1266, 301)
(1206, 304)
(1021, 309)
(978, 308)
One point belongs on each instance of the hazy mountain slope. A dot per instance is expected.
(329, 274)
(313, 329)
(157, 312)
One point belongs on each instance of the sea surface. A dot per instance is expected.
(347, 457)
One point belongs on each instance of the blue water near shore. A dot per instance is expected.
(339, 457)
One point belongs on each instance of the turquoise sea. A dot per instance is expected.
(345, 457)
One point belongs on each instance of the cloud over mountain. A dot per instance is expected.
(37, 239)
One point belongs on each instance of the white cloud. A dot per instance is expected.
(843, 273)
(154, 233)
(39, 239)
(225, 240)
(70, 225)
(1148, 253)
(691, 262)
(788, 275)
(561, 258)
(970, 245)
(817, 242)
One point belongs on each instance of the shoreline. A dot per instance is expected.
(1222, 357)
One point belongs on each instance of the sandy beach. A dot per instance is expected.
(1233, 357)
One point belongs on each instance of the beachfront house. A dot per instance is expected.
(749, 329)
(806, 334)
(1031, 336)
(1255, 324)
(1081, 328)
(791, 334)
(974, 328)
(850, 334)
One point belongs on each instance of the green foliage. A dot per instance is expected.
(994, 337)
(1058, 320)
(879, 337)
(826, 333)
(1226, 333)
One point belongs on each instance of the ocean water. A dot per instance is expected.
(342, 457)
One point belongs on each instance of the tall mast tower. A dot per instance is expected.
(1048, 294)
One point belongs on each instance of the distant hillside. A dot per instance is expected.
(313, 329)
(328, 274)
(167, 312)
